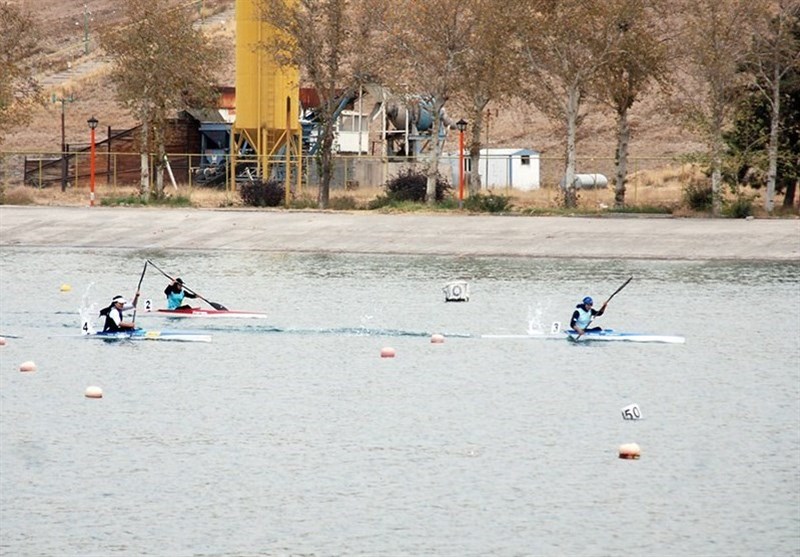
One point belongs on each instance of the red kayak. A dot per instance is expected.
(201, 312)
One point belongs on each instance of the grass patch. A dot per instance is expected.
(19, 195)
(138, 201)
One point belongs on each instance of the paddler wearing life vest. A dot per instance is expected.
(583, 315)
(175, 293)
(113, 314)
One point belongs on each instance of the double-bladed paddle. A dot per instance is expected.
(214, 305)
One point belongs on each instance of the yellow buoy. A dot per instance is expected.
(387, 352)
(93, 391)
(65, 287)
(27, 366)
(629, 451)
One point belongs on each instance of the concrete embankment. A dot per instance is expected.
(433, 234)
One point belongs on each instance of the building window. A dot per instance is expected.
(525, 160)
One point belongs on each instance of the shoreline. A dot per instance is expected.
(356, 232)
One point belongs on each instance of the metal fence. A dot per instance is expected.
(122, 169)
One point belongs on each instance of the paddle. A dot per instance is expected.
(624, 284)
(214, 305)
(138, 288)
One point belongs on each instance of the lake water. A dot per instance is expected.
(292, 436)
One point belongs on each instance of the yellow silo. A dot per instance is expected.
(267, 98)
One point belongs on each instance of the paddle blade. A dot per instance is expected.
(220, 307)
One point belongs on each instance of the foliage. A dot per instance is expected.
(19, 195)
(344, 203)
(411, 185)
(303, 201)
(161, 63)
(740, 207)
(698, 196)
(262, 194)
(643, 209)
(19, 90)
(139, 200)
(488, 203)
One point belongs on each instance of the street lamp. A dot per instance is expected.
(461, 125)
(92, 126)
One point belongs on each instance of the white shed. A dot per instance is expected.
(509, 168)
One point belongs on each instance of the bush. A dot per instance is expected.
(741, 207)
(262, 194)
(488, 203)
(410, 185)
(343, 203)
(19, 195)
(698, 197)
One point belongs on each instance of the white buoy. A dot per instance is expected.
(436, 338)
(27, 366)
(387, 352)
(629, 451)
(93, 391)
(65, 287)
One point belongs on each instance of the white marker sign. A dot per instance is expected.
(631, 412)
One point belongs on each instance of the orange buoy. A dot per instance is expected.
(387, 352)
(436, 338)
(93, 391)
(27, 366)
(629, 451)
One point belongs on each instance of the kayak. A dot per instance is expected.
(148, 334)
(606, 335)
(609, 335)
(200, 312)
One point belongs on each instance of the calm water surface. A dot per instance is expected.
(291, 436)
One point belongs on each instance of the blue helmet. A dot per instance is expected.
(588, 301)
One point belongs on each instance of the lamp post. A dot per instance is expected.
(461, 125)
(92, 126)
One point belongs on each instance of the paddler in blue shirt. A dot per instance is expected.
(176, 293)
(583, 315)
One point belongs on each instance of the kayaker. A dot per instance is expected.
(583, 315)
(175, 293)
(113, 314)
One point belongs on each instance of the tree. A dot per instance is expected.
(428, 43)
(19, 35)
(565, 45)
(161, 63)
(330, 40)
(639, 61)
(712, 46)
(491, 73)
(775, 53)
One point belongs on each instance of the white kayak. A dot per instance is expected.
(148, 334)
(606, 335)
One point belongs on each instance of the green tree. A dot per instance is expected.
(161, 63)
(19, 35)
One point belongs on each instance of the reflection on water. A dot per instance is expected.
(292, 436)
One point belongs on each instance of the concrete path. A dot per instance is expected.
(435, 234)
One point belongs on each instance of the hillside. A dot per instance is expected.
(65, 68)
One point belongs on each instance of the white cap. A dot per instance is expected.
(119, 300)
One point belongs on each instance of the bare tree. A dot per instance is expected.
(712, 46)
(566, 44)
(429, 42)
(161, 63)
(775, 52)
(639, 61)
(19, 35)
(331, 41)
(491, 72)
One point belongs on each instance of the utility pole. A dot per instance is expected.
(63, 101)
(85, 29)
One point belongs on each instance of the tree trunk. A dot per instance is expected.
(435, 153)
(621, 162)
(325, 164)
(772, 149)
(158, 136)
(476, 127)
(144, 182)
(573, 105)
(716, 162)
